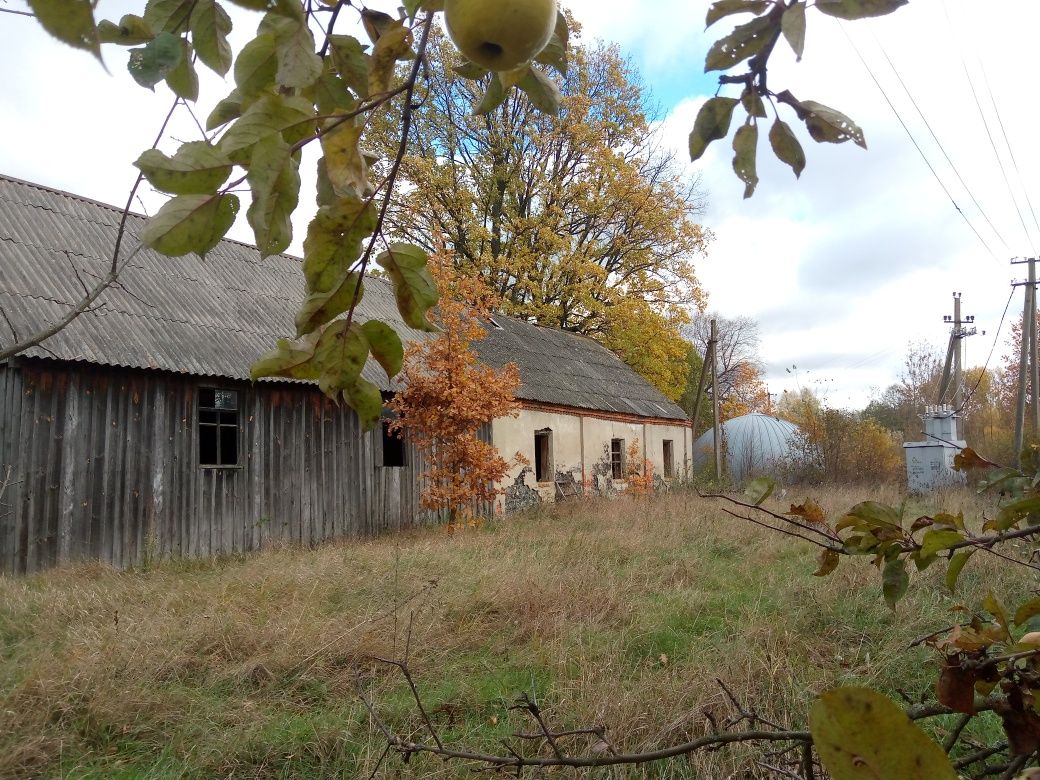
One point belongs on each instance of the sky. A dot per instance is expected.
(841, 268)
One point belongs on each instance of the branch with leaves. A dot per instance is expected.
(753, 43)
(995, 652)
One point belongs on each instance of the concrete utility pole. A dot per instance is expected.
(958, 380)
(1034, 378)
(955, 356)
(1027, 357)
(715, 400)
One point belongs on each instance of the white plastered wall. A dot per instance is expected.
(581, 447)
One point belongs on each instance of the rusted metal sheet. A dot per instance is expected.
(105, 466)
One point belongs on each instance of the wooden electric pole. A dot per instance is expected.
(705, 367)
(717, 436)
(710, 365)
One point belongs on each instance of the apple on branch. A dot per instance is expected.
(500, 35)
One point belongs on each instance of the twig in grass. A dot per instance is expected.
(955, 734)
(415, 694)
(379, 763)
(780, 770)
(529, 705)
(312, 659)
(1015, 766)
(593, 730)
(921, 640)
(751, 716)
(808, 768)
(515, 761)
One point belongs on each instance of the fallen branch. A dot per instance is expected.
(603, 754)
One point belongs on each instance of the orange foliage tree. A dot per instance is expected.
(747, 393)
(449, 395)
(639, 472)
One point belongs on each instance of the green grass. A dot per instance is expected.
(618, 613)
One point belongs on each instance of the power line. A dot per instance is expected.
(914, 141)
(938, 143)
(989, 134)
(992, 349)
(1007, 141)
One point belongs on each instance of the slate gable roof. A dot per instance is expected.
(216, 316)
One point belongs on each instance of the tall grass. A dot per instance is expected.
(621, 613)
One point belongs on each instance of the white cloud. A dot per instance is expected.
(861, 255)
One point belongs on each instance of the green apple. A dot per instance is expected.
(500, 34)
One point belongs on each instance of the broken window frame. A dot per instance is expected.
(544, 470)
(617, 458)
(668, 458)
(213, 416)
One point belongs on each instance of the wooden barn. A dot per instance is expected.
(135, 433)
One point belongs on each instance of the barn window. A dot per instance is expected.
(393, 447)
(543, 463)
(617, 458)
(669, 459)
(218, 427)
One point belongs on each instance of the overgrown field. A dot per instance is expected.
(621, 613)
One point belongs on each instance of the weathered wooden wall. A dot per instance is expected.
(104, 466)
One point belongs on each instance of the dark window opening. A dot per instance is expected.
(543, 464)
(617, 458)
(393, 447)
(218, 427)
(669, 463)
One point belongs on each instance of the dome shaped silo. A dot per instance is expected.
(754, 445)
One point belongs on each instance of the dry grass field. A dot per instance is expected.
(621, 613)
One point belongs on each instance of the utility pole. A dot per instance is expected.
(717, 435)
(958, 381)
(705, 367)
(1034, 378)
(955, 356)
(1027, 357)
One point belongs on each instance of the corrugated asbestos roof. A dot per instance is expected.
(214, 317)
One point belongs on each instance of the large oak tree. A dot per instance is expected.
(583, 222)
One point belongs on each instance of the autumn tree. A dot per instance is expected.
(449, 396)
(1005, 385)
(581, 221)
(651, 343)
(639, 471)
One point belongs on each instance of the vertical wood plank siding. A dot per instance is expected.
(104, 466)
